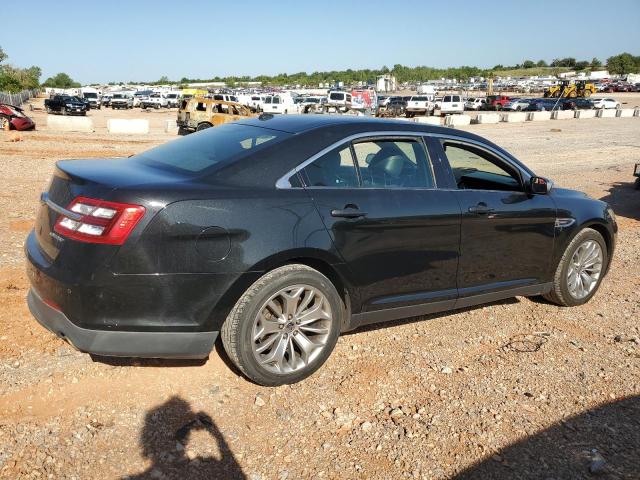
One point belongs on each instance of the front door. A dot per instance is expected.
(507, 234)
(395, 230)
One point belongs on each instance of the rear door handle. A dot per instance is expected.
(348, 213)
(480, 209)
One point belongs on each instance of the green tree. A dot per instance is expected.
(528, 64)
(541, 63)
(595, 63)
(61, 80)
(623, 64)
(3, 56)
(581, 65)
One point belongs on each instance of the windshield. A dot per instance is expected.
(336, 96)
(118, 95)
(90, 95)
(215, 146)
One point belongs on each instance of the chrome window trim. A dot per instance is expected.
(283, 182)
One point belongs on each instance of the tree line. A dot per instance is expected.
(14, 79)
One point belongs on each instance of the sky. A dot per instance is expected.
(142, 40)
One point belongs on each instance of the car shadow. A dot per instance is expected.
(431, 316)
(148, 362)
(624, 199)
(600, 443)
(164, 441)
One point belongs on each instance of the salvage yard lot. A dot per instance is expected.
(515, 389)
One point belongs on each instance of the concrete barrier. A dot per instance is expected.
(538, 116)
(170, 126)
(428, 120)
(563, 114)
(488, 118)
(67, 123)
(586, 113)
(457, 120)
(513, 117)
(626, 112)
(606, 113)
(121, 125)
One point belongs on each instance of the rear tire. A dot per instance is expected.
(262, 307)
(561, 293)
(203, 126)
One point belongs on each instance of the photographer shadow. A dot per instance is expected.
(165, 438)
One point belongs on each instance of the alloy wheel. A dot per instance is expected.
(291, 329)
(584, 269)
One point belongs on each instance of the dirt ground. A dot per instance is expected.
(514, 389)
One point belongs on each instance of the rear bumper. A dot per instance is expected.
(121, 343)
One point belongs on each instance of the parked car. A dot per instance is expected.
(173, 100)
(339, 100)
(605, 103)
(451, 104)
(155, 100)
(256, 103)
(578, 104)
(280, 103)
(419, 105)
(475, 103)
(66, 105)
(225, 97)
(517, 104)
(197, 114)
(141, 96)
(396, 107)
(497, 102)
(278, 233)
(121, 100)
(93, 99)
(106, 99)
(13, 118)
(636, 173)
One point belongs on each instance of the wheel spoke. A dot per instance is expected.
(306, 345)
(276, 356)
(313, 314)
(306, 301)
(291, 300)
(314, 329)
(267, 343)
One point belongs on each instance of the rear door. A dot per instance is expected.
(507, 234)
(397, 231)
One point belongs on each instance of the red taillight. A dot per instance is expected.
(100, 221)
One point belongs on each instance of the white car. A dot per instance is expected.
(605, 103)
(475, 103)
(173, 100)
(419, 105)
(451, 104)
(517, 104)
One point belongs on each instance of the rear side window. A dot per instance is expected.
(393, 164)
(455, 98)
(201, 151)
(447, 98)
(334, 169)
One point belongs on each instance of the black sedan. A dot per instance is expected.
(281, 232)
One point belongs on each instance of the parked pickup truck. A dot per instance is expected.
(419, 105)
(66, 105)
(155, 100)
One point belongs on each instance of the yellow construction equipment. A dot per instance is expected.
(568, 89)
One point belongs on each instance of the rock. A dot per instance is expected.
(446, 370)
(597, 463)
(260, 401)
(366, 426)
(396, 412)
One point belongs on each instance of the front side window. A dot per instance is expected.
(333, 169)
(476, 169)
(393, 164)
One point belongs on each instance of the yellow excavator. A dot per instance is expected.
(568, 89)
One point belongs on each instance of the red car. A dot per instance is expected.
(497, 102)
(15, 118)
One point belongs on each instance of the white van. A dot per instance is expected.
(339, 100)
(452, 104)
(280, 103)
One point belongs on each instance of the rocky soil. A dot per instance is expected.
(514, 389)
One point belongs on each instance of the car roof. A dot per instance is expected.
(302, 123)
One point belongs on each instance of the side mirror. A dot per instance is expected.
(540, 185)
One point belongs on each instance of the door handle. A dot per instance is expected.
(348, 213)
(480, 209)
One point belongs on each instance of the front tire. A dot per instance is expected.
(285, 326)
(580, 270)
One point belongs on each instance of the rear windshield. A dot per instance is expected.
(214, 146)
(336, 96)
